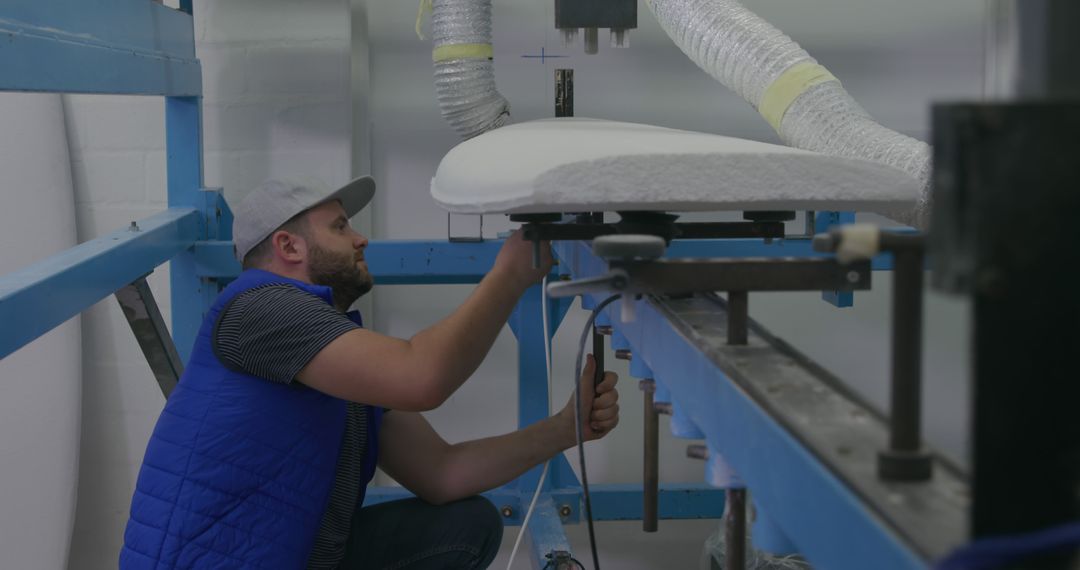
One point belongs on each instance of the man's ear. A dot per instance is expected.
(289, 247)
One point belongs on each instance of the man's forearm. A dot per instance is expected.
(453, 348)
(476, 466)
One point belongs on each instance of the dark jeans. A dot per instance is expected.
(416, 535)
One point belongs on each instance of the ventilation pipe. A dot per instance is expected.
(464, 70)
(803, 102)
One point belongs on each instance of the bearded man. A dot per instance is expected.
(262, 454)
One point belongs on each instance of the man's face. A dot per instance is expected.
(336, 254)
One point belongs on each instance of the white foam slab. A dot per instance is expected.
(576, 164)
(41, 383)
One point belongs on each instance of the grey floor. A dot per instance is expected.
(623, 546)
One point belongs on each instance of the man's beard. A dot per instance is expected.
(340, 273)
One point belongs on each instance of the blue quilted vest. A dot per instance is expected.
(239, 469)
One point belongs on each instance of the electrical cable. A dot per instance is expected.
(578, 423)
(543, 474)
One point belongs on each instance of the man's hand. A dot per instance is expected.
(600, 406)
(515, 261)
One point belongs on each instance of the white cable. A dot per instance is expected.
(543, 474)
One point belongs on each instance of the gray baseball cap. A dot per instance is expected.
(275, 202)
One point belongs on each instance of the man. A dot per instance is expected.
(262, 453)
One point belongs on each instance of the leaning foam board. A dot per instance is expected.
(577, 164)
(41, 383)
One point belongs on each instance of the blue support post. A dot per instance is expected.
(527, 326)
(191, 296)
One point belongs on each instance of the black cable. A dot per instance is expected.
(581, 420)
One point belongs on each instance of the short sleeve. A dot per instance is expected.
(274, 331)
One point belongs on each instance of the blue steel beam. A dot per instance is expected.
(36, 299)
(60, 46)
(611, 501)
(391, 262)
(546, 532)
(622, 501)
(822, 516)
(400, 262)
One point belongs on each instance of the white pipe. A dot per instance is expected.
(806, 105)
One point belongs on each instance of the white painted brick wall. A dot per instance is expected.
(276, 102)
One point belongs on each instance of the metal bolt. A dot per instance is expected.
(697, 451)
(507, 511)
(134, 227)
(568, 36)
(647, 385)
(663, 408)
(604, 329)
(853, 276)
(618, 37)
(565, 510)
(623, 354)
(591, 41)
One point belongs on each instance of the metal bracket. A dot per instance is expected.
(682, 276)
(479, 237)
(219, 217)
(142, 314)
(668, 230)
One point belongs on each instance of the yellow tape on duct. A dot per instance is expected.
(462, 51)
(786, 89)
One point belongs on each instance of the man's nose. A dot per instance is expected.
(360, 242)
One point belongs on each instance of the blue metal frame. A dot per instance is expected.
(826, 520)
(132, 47)
(37, 298)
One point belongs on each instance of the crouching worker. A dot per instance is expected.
(261, 456)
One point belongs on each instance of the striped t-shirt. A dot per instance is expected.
(273, 332)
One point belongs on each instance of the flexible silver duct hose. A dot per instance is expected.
(805, 104)
(464, 70)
